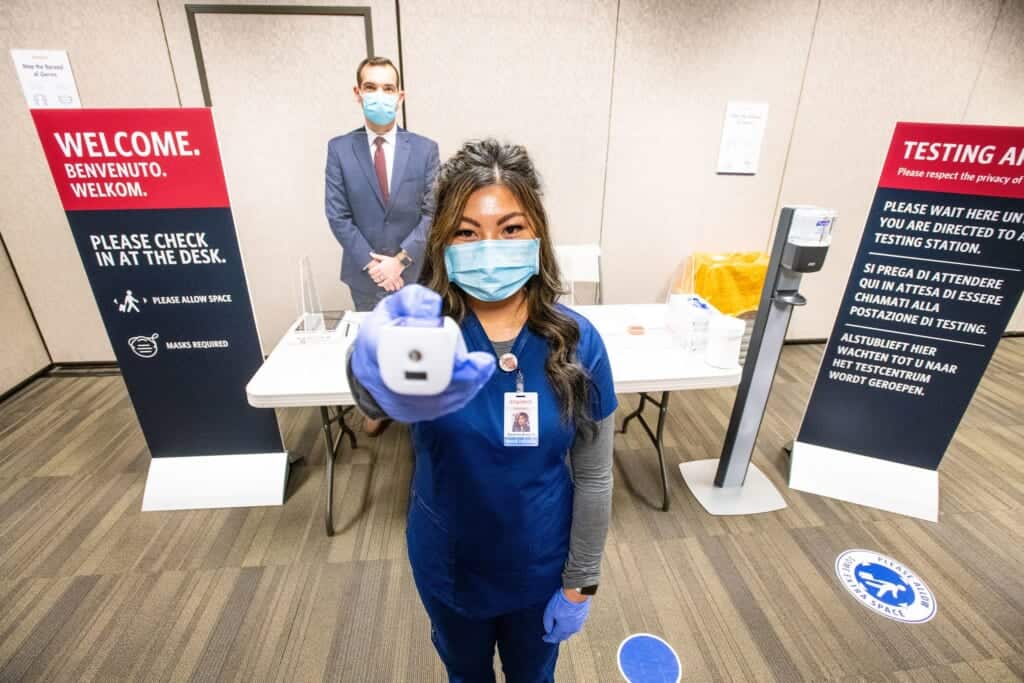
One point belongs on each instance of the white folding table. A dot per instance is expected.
(302, 372)
(649, 363)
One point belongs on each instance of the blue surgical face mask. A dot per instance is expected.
(380, 107)
(492, 270)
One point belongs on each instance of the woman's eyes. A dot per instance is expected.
(514, 230)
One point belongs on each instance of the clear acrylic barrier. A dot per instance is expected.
(315, 326)
(312, 313)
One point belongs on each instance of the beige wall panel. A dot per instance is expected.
(677, 66)
(274, 115)
(385, 41)
(119, 59)
(281, 87)
(21, 349)
(872, 63)
(537, 73)
(998, 96)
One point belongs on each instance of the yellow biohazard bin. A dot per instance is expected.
(730, 282)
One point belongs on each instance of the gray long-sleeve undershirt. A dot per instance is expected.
(591, 464)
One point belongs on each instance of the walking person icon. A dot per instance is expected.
(881, 586)
(130, 303)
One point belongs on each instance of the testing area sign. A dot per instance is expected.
(148, 207)
(934, 283)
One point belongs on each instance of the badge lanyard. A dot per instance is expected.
(509, 362)
(520, 418)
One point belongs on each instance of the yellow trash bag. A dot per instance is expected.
(730, 282)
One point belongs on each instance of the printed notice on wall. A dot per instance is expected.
(935, 281)
(46, 79)
(740, 150)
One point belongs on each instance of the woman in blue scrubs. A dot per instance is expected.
(506, 528)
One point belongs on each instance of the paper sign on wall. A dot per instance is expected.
(46, 79)
(741, 137)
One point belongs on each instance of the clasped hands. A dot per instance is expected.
(386, 271)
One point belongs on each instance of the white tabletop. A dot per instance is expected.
(651, 361)
(313, 373)
(299, 374)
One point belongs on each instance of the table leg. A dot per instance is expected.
(332, 446)
(329, 474)
(659, 444)
(636, 413)
(345, 429)
(656, 435)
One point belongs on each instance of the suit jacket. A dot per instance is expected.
(355, 206)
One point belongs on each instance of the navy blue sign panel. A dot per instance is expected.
(145, 196)
(933, 286)
(889, 386)
(184, 335)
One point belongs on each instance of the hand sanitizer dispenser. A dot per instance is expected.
(730, 485)
(810, 234)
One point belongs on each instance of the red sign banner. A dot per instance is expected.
(976, 160)
(107, 159)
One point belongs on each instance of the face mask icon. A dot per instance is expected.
(143, 346)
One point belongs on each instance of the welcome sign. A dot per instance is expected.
(148, 207)
(934, 283)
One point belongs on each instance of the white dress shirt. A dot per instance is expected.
(390, 138)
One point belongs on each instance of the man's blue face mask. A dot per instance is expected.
(380, 107)
(492, 270)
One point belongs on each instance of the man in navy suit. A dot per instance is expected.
(379, 190)
(379, 194)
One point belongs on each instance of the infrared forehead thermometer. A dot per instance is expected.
(418, 361)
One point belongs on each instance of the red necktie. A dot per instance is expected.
(380, 164)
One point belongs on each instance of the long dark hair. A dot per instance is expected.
(483, 163)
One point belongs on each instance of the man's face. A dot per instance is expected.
(382, 79)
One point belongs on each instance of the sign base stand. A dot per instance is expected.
(216, 481)
(883, 484)
(757, 494)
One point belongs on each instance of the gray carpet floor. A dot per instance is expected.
(92, 589)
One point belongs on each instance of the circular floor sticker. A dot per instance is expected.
(644, 658)
(885, 586)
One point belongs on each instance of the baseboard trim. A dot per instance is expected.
(24, 383)
(84, 369)
(72, 369)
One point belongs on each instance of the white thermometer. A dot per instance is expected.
(418, 361)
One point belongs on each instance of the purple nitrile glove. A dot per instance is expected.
(416, 306)
(563, 618)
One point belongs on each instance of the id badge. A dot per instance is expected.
(521, 424)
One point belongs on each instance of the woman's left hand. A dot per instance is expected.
(563, 618)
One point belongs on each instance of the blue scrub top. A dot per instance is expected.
(488, 527)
